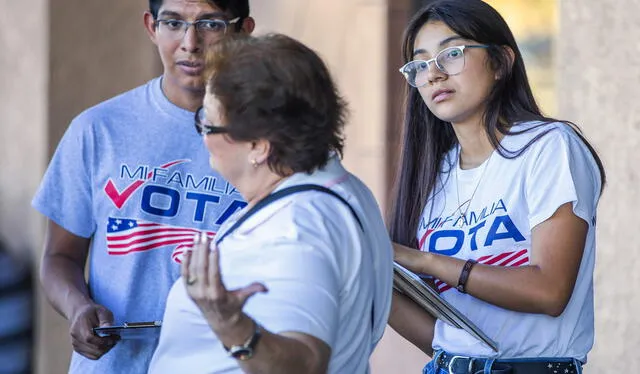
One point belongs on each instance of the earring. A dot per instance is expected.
(254, 162)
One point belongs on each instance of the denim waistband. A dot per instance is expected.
(458, 364)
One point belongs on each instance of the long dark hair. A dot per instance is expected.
(426, 138)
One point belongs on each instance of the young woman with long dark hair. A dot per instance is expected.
(499, 200)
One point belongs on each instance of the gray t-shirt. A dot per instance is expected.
(133, 174)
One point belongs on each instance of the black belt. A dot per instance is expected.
(472, 365)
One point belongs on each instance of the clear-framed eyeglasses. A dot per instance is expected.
(204, 127)
(449, 61)
(206, 28)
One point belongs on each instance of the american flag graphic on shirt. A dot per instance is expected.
(514, 258)
(125, 236)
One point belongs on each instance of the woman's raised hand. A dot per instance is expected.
(201, 272)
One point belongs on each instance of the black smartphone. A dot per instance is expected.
(131, 330)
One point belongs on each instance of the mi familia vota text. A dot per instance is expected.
(164, 191)
(447, 235)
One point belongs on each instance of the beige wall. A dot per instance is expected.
(98, 49)
(23, 119)
(58, 57)
(598, 88)
(351, 36)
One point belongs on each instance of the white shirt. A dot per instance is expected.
(511, 197)
(323, 272)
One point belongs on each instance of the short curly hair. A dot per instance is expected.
(275, 88)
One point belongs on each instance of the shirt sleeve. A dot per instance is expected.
(561, 170)
(65, 194)
(302, 279)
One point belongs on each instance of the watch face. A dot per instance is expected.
(245, 351)
(241, 353)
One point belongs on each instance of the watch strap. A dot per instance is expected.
(245, 351)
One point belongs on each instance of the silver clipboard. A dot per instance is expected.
(428, 299)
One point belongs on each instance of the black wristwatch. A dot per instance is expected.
(245, 351)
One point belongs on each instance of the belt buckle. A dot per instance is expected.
(456, 357)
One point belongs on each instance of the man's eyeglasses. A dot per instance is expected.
(204, 127)
(206, 28)
(449, 61)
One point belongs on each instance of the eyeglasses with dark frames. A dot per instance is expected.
(204, 127)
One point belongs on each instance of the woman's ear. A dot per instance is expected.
(259, 151)
(510, 58)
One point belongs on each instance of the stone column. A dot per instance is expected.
(598, 69)
(351, 37)
(395, 354)
(23, 118)
(59, 57)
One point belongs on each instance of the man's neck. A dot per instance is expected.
(186, 99)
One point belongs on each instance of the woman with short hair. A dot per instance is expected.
(311, 244)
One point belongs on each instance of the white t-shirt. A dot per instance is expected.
(508, 198)
(323, 273)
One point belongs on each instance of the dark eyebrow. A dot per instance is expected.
(441, 44)
(169, 13)
(213, 15)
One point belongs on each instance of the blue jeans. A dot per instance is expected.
(491, 366)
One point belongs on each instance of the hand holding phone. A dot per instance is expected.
(83, 338)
